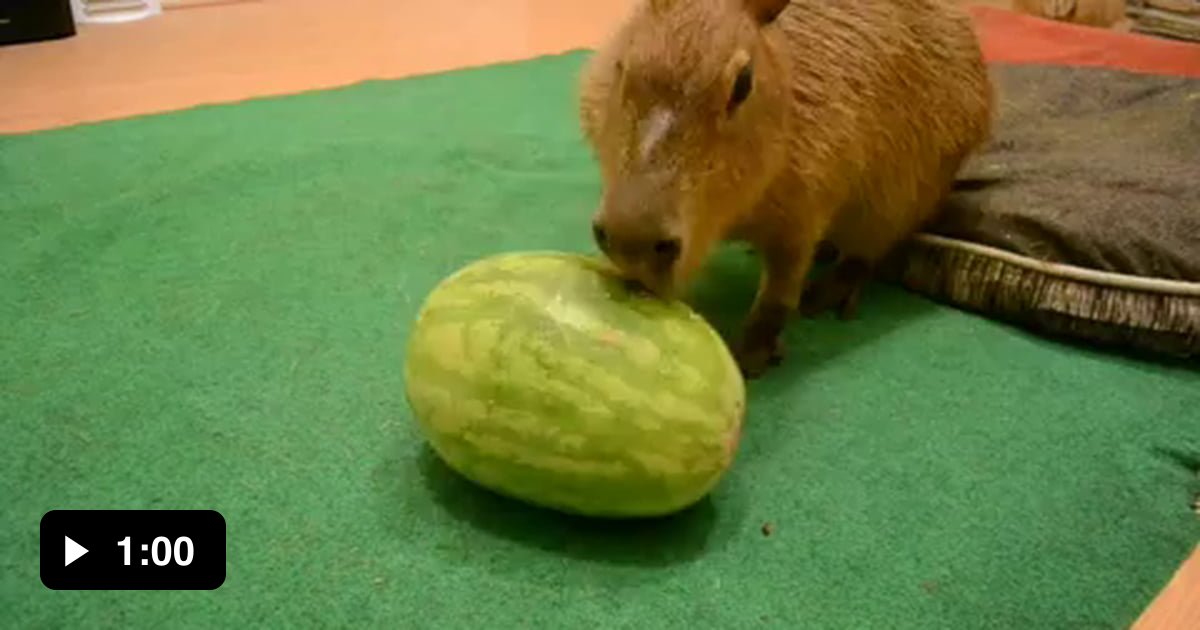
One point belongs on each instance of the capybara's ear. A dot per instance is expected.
(765, 11)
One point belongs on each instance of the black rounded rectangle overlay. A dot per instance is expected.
(133, 549)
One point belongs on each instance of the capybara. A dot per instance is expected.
(783, 125)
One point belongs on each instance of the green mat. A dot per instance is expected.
(207, 309)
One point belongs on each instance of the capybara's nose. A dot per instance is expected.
(667, 251)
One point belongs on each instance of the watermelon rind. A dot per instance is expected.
(542, 376)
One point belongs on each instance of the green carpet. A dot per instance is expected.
(207, 309)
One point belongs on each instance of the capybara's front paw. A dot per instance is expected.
(755, 357)
(761, 346)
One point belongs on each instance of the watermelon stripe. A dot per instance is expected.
(524, 304)
(539, 376)
(580, 408)
(580, 476)
(583, 278)
(561, 378)
(542, 298)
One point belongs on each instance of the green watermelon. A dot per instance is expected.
(543, 377)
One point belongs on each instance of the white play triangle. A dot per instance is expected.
(72, 551)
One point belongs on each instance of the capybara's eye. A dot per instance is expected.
(741, 86)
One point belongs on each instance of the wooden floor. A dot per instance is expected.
(213, 51)
(222, 50)
(208, 51)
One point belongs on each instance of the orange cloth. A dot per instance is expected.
(1017, 38)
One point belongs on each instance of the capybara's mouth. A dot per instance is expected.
(633, 285)
(642, 289)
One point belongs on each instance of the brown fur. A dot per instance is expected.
(1102, 13)
(859, 116)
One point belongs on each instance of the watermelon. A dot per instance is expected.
(545, 378)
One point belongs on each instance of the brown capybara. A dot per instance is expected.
(783, 125)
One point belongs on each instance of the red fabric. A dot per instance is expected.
(1017, 38)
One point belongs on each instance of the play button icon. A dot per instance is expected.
(72, 551)
(131, 550)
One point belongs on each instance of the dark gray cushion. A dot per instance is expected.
(1082, 216)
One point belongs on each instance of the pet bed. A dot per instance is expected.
(1081, 218)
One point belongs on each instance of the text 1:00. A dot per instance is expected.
(170, 551)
